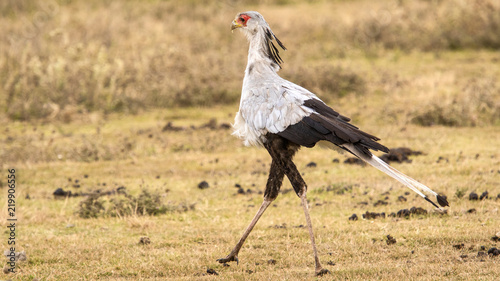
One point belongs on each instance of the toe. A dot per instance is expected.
(322, 272)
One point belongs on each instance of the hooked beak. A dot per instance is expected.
(235, 25)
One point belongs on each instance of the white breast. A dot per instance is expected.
(269, 108)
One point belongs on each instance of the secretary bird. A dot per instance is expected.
(282, 117)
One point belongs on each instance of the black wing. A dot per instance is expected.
(327, 124)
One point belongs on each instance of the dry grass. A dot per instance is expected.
(431, 25)
(80, 73)
(62, 246)
(62, 58)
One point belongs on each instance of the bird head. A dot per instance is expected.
(256, 28)
(248, 21)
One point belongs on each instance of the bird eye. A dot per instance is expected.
(242, 19)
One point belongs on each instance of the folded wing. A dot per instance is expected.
(327, 124)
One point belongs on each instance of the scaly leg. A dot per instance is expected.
(274, 182)
(319, 269)
(282, 152)
(233, 256)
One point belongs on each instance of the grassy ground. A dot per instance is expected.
(428, 97)
(184, 243)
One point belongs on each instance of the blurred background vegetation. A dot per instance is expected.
(59, 58)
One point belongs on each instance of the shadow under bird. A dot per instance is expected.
(282, 116)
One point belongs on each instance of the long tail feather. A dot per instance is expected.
(412, 184)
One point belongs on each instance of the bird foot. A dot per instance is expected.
(229, 258)
(322, 272)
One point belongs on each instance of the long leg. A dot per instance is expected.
(319, 269)
(282, 151)
(274, 182)
(233, 256)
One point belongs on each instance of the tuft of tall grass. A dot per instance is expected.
(476, 104)
(429, 26)
(114, 58)
(147, 203)
(327, 80)
(60, 58)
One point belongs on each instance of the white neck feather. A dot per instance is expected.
(258, 56)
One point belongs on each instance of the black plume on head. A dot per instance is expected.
(272, 51)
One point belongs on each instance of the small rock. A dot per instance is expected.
(330, 263)
(144, 240)
(170, 127)
(280, 226)
(121, 190)
(372, 215)
(399, 155)
(212, 271)
(463, 256)
(458, 246)
(471, 211)
(442, 159)
(311, 165)
(390, 240)
(211, 124)
(481, 254)
(380, 202)
(494, 252)
(203, 185)
(403, 213)
(484, 195)
(18, 256)
(271, 261)
(354, 217)
(225, 126)
(354, 160)
(60, 193)
(496, 237)
(402, 198)
(473, 196)
(418, 211)
(21, 256)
